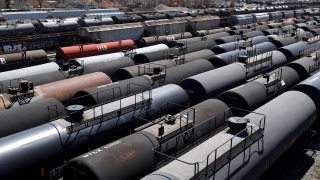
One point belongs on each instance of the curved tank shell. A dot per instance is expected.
(72, 52)
(255, 93)
(287, 118)
(139, 70)
(109, 67)
(293, 51)
(101, 166)
(154, 56)
(210, 84)
(29, 71)
(226, 58)
(284, 41)
(64, 90)
(168, 39)
(16, 60)
(212, 31)
(46, 139)
(100, 58)
(311, 87)
(89, 97)
(30, 115)
(86, 22)
(222, 48)
(302, 66)
(17, 29)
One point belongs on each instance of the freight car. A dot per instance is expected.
(299, 109)
(72, 52)
(179, 132)
(65, 138)
(62, 90)
(22, 60)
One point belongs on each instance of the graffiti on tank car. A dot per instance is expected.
(102, 48)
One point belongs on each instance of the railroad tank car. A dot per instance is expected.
(29, 71)
(18, 60)
(100, 58)
(59, 140)
(58, 26)
(154, 16)
(304, 66)
(275, 25)
(98, 165)
(29, 115)
(72, 52)
(293, 51)
(65, 89)
(138, 84)
(222, 48)
(311, 87)
(233, 56)
(109, 67)
(62, 90)
(280, 122)
(167, 39)
(200, 87)
(98, 21)
(127, 19)
(257, 92)
(17, 29)
(38, 79)
(228, 39)
(155, 56)
(262, 27)
(186, 52)
(211, 31)
(282, 42)
(142, 69)
(112, 32)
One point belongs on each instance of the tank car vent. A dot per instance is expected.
(242, 58)
(169, 119)
(65, 67)
(237, 124)
(75, 112)
(25, 86)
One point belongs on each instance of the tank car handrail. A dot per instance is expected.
(144, 101)
(209, 120)
(177, 116)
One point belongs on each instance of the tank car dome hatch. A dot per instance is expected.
(75, 113)
(237, 124)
